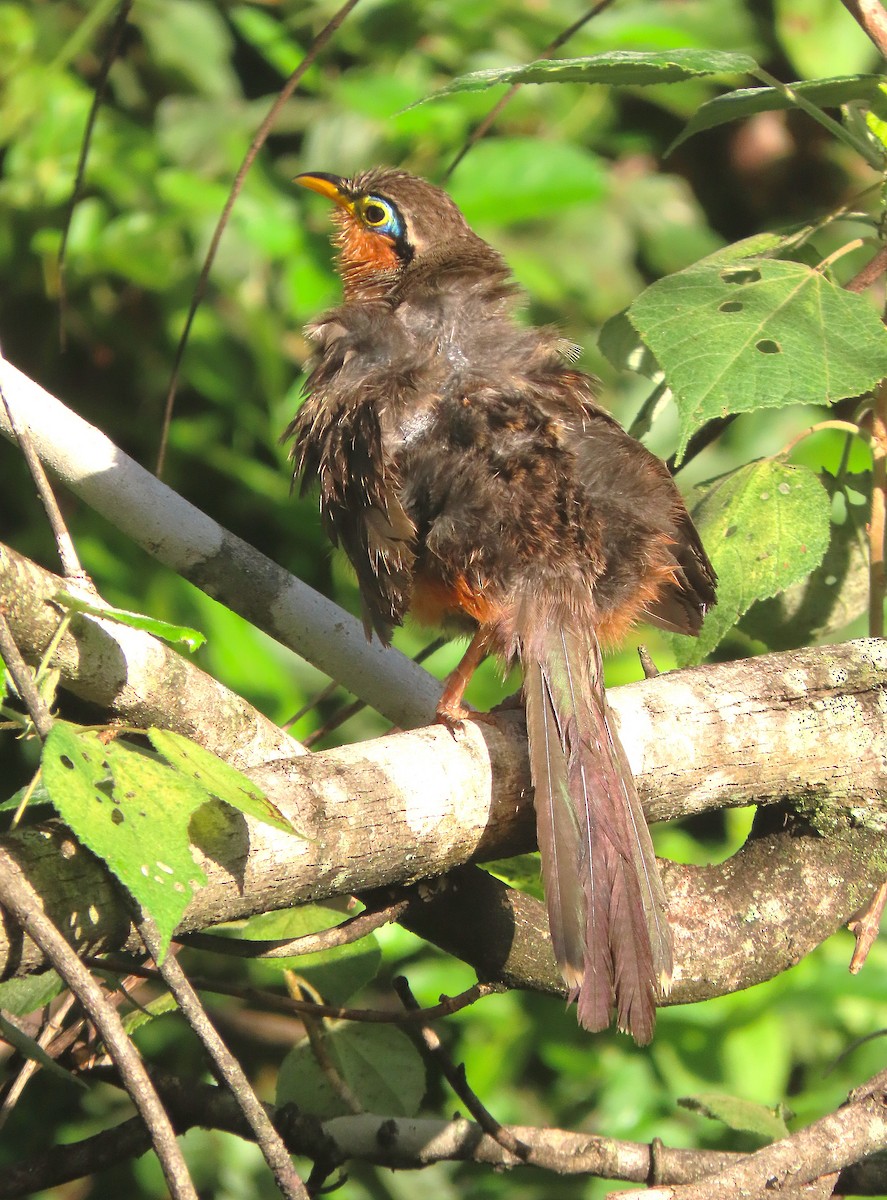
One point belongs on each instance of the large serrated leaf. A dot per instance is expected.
(636, 68)
(765, 526)
(759, 334)
(217, 778)
(745, 102)
(379, 1063)
(132, 812)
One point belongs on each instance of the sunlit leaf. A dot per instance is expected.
(634, 68)
(765, 526)
(133, 812)
(761, 333)
(193, 639)
(217, 778)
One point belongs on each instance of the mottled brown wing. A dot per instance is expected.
(338, 442)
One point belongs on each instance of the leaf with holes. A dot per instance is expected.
(764, 526)
(625, 68)
(132, 812)
(758, 334)
(378, 1065)
(217, 778)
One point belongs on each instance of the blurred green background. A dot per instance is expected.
(573, 188)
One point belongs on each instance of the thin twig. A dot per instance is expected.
(561, 39)
(865, 928)
(255, 146)
(20, 899)
(227, 1066)
(430, 1044)
(273, 1002)
(344, 934)
(316, 1033)
(97, 98)
(872, 18)
(23, 679)
(51, 1028)
(869, 274)
(63, 540)
(848, 427)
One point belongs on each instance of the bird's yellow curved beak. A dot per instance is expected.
(334, 187)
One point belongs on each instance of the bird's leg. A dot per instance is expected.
(450, 709)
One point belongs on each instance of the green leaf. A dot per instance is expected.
(759, 334)
(29, 1048)
(217, 778)
(23, 996)
(745, 102)
(175, 634)
(635, 68)
(837, 592)
(337, 973)
(145, 1013)
(379, 1064)
(133, 812)
(764, 526)
(742, 1115)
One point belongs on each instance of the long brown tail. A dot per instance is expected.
(606, 906)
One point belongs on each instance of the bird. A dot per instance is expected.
(473, 480)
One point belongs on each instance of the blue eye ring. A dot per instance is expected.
(380, 215)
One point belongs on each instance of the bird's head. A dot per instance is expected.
(387, 220)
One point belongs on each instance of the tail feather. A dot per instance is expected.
(606, 905)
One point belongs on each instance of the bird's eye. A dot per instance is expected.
(376, 214)
(380, 215)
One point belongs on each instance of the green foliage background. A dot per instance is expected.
(574, 189)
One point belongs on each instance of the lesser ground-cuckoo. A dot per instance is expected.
(471, 478)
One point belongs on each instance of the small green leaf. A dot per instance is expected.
(146, 1013)
(745, 102)
(760, 333)
(379, 1063)
(27, 1047)
(765, 526)
(824, 603)
(23, 996)
(742, 1115)
(133, 812)
(177, 635)
(217, 778)
(633, 68)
